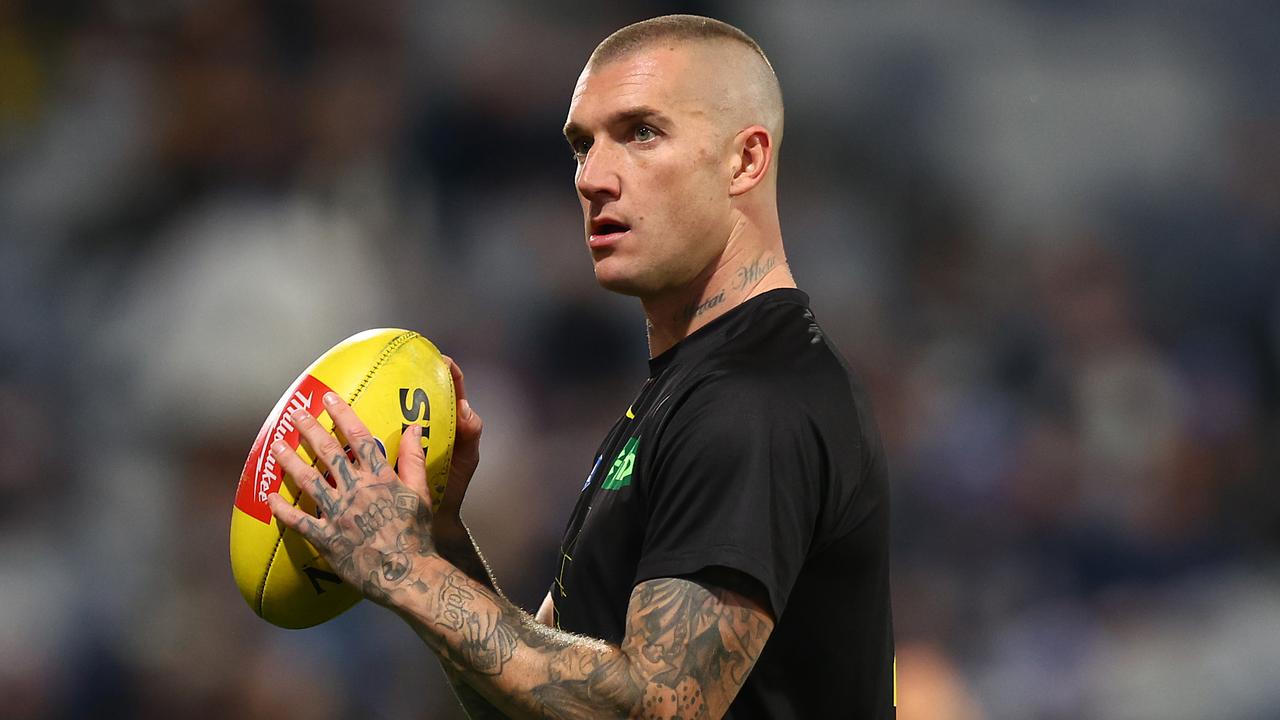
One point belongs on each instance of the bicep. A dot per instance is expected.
(695, 639)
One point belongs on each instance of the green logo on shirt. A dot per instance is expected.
(620, 474)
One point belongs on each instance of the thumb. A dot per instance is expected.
(466, 444)
(470, 424)
(466, 456)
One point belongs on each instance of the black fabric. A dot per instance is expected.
(750, 447)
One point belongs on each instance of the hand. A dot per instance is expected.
(374, 525)
(466, 457)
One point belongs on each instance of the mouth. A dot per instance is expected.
(606, 231)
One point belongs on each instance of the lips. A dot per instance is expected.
(605, 231)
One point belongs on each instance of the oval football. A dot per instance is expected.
(391, 378)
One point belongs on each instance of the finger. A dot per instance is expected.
(296, 520)
(345, 420)
(413, 462)
(466, 414)
(350, 427)
(372, 458)
(306, 478)
(466, 448)
(462, 467)
(325, 447)
(459, 389)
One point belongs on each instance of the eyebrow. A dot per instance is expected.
(640, 112)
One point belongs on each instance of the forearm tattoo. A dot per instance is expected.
(688, 645)
(687, 651)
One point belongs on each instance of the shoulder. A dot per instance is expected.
(771, 365)
(784, 376)
(732, 393)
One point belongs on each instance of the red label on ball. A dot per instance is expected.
(262, 474)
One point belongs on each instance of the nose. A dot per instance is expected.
(598, 180)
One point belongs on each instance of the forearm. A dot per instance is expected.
(459, 548)
(473, 703)
(523, 668)
(377, 532)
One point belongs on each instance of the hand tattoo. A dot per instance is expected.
(688, 646)
(373, 519)
(395, 566)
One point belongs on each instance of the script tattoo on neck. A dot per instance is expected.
(752, 273)
(696, 309)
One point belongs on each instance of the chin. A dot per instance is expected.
(621, 285)
(616, 279)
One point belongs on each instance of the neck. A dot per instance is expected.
(744, 270)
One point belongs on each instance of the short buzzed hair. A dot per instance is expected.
(641, 35)
(646, 33)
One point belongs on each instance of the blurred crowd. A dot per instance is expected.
(1047, 235)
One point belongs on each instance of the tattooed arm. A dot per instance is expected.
(461, 550)
(688, 648)
(464, 554)
(689, 642)
(475, 704)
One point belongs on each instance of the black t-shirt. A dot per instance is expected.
(750, 447)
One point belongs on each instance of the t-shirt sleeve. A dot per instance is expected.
(734, 483)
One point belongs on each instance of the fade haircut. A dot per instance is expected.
(695, 28)
(638, 36)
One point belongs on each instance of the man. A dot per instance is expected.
(728, 556)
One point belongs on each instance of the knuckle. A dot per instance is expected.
(370, 450)
(352, 426)
(328, 446)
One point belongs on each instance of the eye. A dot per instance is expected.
(644, 133)
(580, 147)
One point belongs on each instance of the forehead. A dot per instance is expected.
(662, 77)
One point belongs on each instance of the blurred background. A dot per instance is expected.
(1047, 234)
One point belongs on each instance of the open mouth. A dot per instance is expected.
(606, 231)
(610, 228)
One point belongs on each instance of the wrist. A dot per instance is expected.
(448, 524)
(413, 600)
(451, 537)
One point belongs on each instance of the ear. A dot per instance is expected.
(752, 157)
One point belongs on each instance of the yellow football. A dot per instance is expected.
(391, 378)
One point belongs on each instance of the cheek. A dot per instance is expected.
(682, 201)
(701, 202)
(688, 189)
